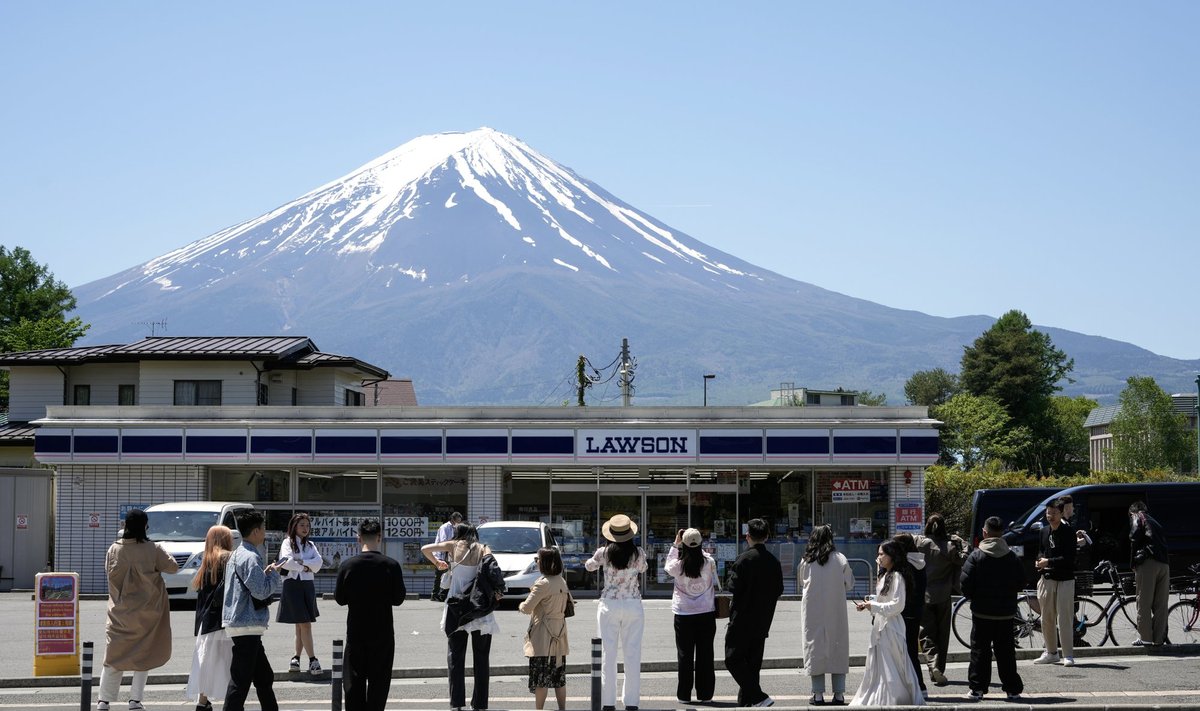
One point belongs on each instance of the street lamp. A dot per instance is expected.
(710, 376)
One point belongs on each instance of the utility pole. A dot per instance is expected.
(627, 367)
(1198, 425)
(584, 382)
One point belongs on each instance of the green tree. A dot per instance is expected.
(977, 431)
(870, 399)
(1147, 432)
(33, 308)
(1020, 368)
(1063, 448)
(930, 387)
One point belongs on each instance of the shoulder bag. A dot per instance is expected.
(723, 600)
(569, 610)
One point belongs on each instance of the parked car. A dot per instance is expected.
(574, 550)
(515, 545)
(1008, 504)
(180, 528)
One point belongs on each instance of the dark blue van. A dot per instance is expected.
(1008, 504)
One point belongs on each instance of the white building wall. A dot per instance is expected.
(239, 384)
(281, 383)
(485, 494)
(344, 381)
(316, 387)
(104, 379)
(84, 490)
(31, 389)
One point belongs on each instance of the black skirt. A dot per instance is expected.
(547, 673)
(298, 603)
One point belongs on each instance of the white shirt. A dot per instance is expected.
(308, 556)
(445, 533)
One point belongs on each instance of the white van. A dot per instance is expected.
(180, 529)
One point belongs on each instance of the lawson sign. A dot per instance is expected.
(620, 445)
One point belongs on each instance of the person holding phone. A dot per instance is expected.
(300, 558)
(694, 605)
(248, 589)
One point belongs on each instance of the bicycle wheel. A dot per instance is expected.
(1122, 622)
(1089, 616)
(1028, 623)
(960, 621)
(1183, 622)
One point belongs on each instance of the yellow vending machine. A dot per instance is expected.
(56, 625)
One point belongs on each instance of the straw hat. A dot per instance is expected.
(619, 529)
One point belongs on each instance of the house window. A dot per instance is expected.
(83, 395)
(126, 394)
(197, 392)
(264, 393)
(812, 398)
(847, 400)
(295, 397)
(354, 398)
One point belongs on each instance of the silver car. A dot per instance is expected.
(515, 545)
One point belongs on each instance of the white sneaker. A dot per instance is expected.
(101, 706)
(766, 702)
(1068, 661)
(1046, 658)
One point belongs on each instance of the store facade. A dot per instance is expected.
(858, 469)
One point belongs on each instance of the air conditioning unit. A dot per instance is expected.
(276, 378)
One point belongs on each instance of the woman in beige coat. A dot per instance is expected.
(137, 634)
(546, 639)
(824, 579)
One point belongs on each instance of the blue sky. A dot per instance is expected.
(952, 158)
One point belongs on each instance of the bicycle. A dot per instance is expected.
(1027, 622)
(1183, 618)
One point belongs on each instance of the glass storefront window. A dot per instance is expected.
(575, 529)
(416, 502)
(855, 504)
(714, 514)
(251, 485)
(783, 499)
(527, 496)
(359, 485)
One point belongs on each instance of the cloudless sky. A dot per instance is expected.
(952, 158)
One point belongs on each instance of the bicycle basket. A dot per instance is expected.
(1084, 582)
(1127, 586)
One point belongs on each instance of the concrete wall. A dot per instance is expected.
(24, 552)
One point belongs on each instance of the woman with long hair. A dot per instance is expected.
(466, 562)
(914, 605)
(214, 650)
(619, 615)
(298, 601)
(944, 558)
(137, 631)
(694, 606)
(888, 677)
(824, 579)
(546, 639)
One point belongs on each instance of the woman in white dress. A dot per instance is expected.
(825, 578)
(888, 679)
(466, 554)
(214, 650)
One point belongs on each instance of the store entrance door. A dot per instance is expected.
(659, 514)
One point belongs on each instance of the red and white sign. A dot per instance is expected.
(22, 521)
(910, 517)
(847, 491)
(94, 520)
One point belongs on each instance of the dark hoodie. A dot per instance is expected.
(991, 579)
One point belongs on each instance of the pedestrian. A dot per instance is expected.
(245, 615)
(1056, 587)
(992, 576)
(369, 585)
(756, 581)
(824, 579)
(546, 639)
(445, 533)
(944, 556)
(889, 678)
(213, 651)
(914, 604)
(694, 606)
(619, 614)
(137, 630)
(300, 558)
(1150, 560)
(468, 559)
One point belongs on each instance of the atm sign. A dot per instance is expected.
(845, 491)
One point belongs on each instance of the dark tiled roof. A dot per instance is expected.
(1102, 415)
(313, 360)
(392, 393)
(20, 433)
(219, 346)
(57, 355)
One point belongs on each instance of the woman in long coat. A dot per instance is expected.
(889, 678)
(825, 578)
(137, 634)
(546, 639)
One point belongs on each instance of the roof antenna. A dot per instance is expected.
(153, 326)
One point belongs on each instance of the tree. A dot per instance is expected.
(33, 308)
(930, 387)
(1020, 368)
(1147, 432)
(977, 431)
(870, 399)
(1063, 449)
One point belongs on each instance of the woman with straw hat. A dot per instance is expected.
(619, 614)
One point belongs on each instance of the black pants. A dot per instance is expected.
(743, 659)
(481, 650)
(912, 631)
(694, 652)
(250, 666)
(368, 673)
(988, 636)
(935, 632)
(438, 594)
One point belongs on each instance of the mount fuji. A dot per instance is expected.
(482, 269)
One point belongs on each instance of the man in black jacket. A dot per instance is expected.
(1151, 573)
(991, 578)
(371, 584)
(1056, 588)
(756, 581)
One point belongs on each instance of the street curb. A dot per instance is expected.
(858, 660)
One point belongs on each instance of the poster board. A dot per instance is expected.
(56, 625)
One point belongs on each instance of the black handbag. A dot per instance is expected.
(569, 610)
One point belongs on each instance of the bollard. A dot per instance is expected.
(85, 678)
(596, 674)
(336, 676)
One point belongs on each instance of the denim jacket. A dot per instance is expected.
(244, 577)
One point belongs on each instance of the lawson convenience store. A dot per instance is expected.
(859, 469)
